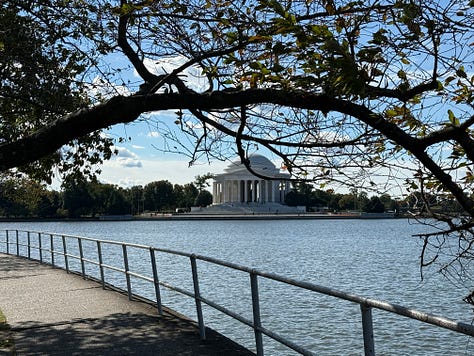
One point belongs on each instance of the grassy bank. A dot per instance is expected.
(6, 339)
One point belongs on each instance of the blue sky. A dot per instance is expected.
(139, 161)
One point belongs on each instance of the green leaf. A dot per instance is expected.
(461, 73)
(259, 38)
(277, 7)
(402, 75)
(391, 113)
(452, 118)
(277, 68)
(449, 80)
(414, 186)
(255, 65)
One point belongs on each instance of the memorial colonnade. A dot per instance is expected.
(249, 191)
(238, 185)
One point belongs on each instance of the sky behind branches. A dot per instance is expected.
(143, 155)
(141, 161)
(141, 158)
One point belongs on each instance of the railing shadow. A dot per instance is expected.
(118, 334)
(21, 264)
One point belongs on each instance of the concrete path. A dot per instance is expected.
(55, 313)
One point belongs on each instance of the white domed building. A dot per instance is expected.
(238, 186)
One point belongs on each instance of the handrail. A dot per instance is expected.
(366, 304)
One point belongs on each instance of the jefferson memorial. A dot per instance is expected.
(238, 185)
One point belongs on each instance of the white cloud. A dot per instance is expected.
(175, 171)
(129, 162)
(138, 147)
(125, 158)
(124, 152)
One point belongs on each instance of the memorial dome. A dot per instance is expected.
(258, 163)
(265, 184)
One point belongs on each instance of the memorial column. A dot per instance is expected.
(231, 191)
(224, 193)
(239, 194)
(214, 192)
(235, 187)
(246, 192)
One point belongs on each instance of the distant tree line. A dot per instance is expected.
(78, 197)
(304, 194)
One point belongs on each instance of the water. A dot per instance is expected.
(372, 258)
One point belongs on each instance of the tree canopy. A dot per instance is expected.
(359, 93)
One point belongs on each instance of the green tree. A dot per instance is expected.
(450, 205)
(22, 197)
(294, 198)
(388, 202)
(136, 199)
(321, 198)
(11, 204)
(204, 198)
(159, 196)
(333, 203)
(109, 199)
(201, 181)
(50, 202)
(374, 205)
(301, 195)
(77, 198)
(40, 72)
(363, 202)
(185, 195)
(33, 195)
(348, 202)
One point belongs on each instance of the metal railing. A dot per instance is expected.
(17, 240)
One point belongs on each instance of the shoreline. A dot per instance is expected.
(274, 216)
(207, 217)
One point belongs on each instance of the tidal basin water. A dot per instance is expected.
(372, 258)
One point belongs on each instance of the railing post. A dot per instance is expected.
(66, 260)
(81, 254)
(367, 330)
(257, 323)
(51, 244)
(29, 244)
(17, 244)
(127, 276)
(40, 247)
(197, 298)
(156, 281)
(101, 267)
(8, 243)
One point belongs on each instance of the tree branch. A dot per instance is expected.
(128, 50)
(402, 95)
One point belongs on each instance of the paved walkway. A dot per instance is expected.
(55, 313)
